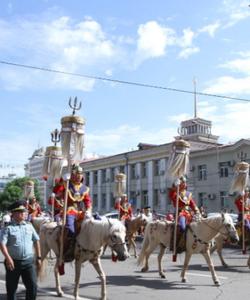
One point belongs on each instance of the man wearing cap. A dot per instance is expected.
(16, 243)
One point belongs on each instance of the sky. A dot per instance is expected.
(161, 43)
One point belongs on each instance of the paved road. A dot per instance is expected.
(126, 282)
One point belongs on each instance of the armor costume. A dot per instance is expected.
(186, 204)
(78, 203)
(34, 209)
(124, 208)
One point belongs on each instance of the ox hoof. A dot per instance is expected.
(184, 280)
(163, 275)
(217, 283)
(60, 294)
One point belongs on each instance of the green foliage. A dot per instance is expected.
(14, 191)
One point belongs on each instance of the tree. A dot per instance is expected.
(14, 191)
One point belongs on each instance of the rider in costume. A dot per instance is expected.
(34, 209)
(79, 205)
(187, 207)
(239, 204)
(124, 208)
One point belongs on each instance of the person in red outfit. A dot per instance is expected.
(239, 204)
(186, 209)
(124, 208)
(79, 205)
(186, 203)
(34, 209)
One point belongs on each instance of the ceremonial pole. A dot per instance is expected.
(239, 184)
(72, 143)
(53, 164)
(177, 167)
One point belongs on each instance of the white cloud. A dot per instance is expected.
(211, 28)
(59, 44)
(187, 38)
(241, 65)
(154, 39)
(236, 11)
(229, 85)
(185, 53)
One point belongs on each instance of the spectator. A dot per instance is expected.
(16, 244)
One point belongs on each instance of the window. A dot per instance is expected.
(103, 172)
(201, 199)
(223, 169)
(133, 171)
(202, 172)
(144, 198)
(103, 202)
(112, 201)
(122, 169)
(112, 174)
(144, 169)
(223, 199)
(87, 178)
(156, 199)
(95, 202)
(157, 167)
(95, 177)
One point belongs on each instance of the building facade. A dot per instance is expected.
(210, 172)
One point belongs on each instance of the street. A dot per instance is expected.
(124, 279)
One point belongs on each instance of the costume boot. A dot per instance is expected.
(68, 245)
(180, 240)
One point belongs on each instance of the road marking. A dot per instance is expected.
(203, 275)
(21, 287)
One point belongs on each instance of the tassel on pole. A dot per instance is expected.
(72, 143)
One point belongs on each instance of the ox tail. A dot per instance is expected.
(145, 245)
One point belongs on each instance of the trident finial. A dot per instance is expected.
(55, 136)
(74, 106)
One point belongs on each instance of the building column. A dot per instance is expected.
(108, 189)
(150, 167)
(99, 190)
(138, 185)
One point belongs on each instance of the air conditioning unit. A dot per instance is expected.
(162, 191)
(137, 176)
(211, 196)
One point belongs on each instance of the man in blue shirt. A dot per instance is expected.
(16, 243)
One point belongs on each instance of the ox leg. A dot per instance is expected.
(185, 266)
(57, 278)
(211, 267)
(97, 265)
(77, 278)
(148, 252)
(160, 255)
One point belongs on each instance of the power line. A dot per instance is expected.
(140, 84)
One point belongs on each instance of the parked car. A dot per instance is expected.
(233, 216)
(112, 215)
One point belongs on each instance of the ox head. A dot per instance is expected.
(228, 229)
(116, 240)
